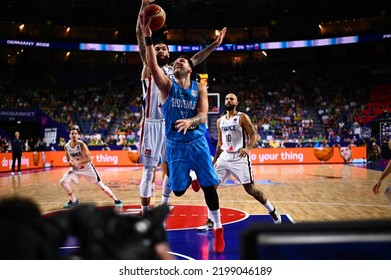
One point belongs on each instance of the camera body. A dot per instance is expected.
(104, 233)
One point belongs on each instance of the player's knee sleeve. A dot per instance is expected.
(211, 198)
(146, 181)
(166, 191)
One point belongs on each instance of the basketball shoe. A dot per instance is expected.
(276, 216)
(195, 185)
(218, 243)
(208, 226)
(118, 203)
(70, 204)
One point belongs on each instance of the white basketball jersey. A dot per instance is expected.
(76, 153)
(233, 135)
(169, 71)
(152, 107)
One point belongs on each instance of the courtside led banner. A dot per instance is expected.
(307, 155)
(33, 160)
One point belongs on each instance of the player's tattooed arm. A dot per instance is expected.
(219, 150)
(195, 120)
(139, 33)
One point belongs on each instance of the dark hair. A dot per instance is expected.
(188, 60)
(73, 128)
(161, 42)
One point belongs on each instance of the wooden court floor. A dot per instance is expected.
(322, 192)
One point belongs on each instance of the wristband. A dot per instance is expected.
(148, 41)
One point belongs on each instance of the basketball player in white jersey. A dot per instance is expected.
(79, 159)
(236, 137)
(152, 140)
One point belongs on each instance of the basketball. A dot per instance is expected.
(134, 156)
(36, 158)
(157, 16)
(324, 154)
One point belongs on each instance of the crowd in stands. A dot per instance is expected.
(283, 105)
(285, 108)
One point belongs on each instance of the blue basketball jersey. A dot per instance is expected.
(182, 104)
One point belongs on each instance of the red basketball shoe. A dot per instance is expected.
(218, 243)
(195, 185)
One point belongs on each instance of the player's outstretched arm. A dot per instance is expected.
(203, 54)
(161, 80)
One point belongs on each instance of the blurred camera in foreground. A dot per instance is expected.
(103, 233)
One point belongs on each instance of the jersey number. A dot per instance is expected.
(228, 138)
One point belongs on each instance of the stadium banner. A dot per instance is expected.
(53, 132)
(32, 160)
(30, 115)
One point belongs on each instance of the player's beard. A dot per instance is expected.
(162, 61)
(229, 107)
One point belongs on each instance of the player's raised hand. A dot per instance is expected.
(147, 32)
(221, 36)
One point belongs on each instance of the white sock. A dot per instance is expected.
(216, 218)
(209, 215)
(193, 175)
(269, 206)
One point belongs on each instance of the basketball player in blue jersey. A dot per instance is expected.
(185, 109)
(79, 159)
(236, 137)
(152, 140)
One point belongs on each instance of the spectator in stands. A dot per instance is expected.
(3, 144)
(40, 145)
(374, 152)
(105, 147)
